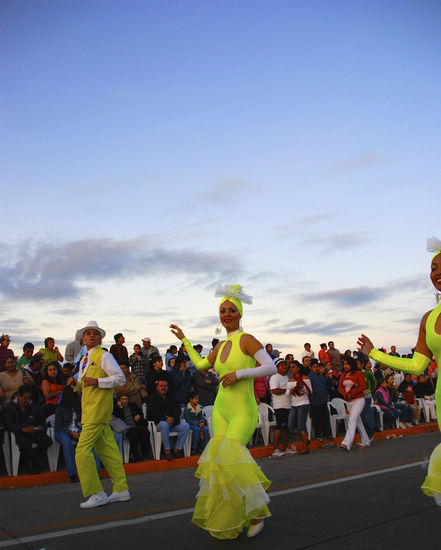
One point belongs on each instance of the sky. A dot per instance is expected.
(153, 149)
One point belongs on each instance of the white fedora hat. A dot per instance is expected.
(94, 325)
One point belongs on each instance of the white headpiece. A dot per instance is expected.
(433, 245)
(235, 291)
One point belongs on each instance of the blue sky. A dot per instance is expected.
(153, 149)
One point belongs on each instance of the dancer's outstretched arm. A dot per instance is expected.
(421, 357)
(199, 362)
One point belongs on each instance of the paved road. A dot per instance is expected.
(328, 499)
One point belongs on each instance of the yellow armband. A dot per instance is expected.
(416, 365)
(195, 358)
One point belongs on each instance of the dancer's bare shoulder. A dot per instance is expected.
(213, 353)
(249, 345)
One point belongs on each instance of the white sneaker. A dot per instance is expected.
(409, 424)
(291, 451)
(275, 454)
(437, 497)
(98, 499)
(402, 425)
(120, 497)
(255, 529)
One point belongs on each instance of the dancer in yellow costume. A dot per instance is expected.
(429, 343)
(232, 486)
(98, 374)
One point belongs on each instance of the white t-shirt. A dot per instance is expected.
(302, 399)
(283, 400)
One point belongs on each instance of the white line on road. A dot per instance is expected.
(183, 511)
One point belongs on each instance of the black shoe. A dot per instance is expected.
(169, 455)
(178, 453)
(73, 478)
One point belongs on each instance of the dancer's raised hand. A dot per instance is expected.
(366, 346)
(177, 332)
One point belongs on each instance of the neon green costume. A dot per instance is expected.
(97, 407)
(232, 486)
(416, 365)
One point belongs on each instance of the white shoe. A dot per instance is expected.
(437, 497)
(255, 529)
(98, 499)
(409, 424)
(291, 451)
(402, 425)
(276, 454)
(120, 497)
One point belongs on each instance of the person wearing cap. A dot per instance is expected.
(147, 349)
(282, 405)
(232, 486)
(428, 345)
(98, 374)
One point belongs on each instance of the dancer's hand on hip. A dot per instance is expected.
(228, 379)
(177, 332)
(366, 346)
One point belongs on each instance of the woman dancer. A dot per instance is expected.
(429, 343)
(232, 486)
(352, 385)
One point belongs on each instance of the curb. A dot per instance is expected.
(150, 466)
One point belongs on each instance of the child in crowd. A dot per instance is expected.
(198, 423)
(409, 398)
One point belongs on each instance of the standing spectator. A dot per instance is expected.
(181, 381)
(166, 414)
(197, 422)
(33, 376)
(138, 364)
(269, 349)
(137, 434)
(50, 352)
(24, 418)
(323, 355)
(307, 351)
(4, 350)
(155, 373)
(170, 354)
(318, 403)
(52, 387)
(205, 384)
(288, 358)
(335, 356)
(352, 386)
(148, 350)
(10, 380)
(393, 351)
(282, 405)
(25, 359)
(299, 387)
(262, 389)
(367, 414)
(73, 348)
(119, 350)
(306, 365)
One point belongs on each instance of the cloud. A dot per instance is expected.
(209, 322)
(363, 161)
(327, 244)
(301, 326)
(225, 190)
(43, 270)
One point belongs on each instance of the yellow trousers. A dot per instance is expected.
(100, 438)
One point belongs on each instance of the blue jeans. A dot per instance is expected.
(69, 453)
(195, 436)
(182, 429)
(368, 418)
(297, 419)
(406, 415)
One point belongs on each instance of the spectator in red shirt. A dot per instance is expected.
(118, 350)
(4, 351)
(323, 355)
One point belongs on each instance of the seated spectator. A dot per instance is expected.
(155, 373)
(33, 376)
(318, 403)
(382, 398)
(171, 353)
(24, 418)
(50, 352)
(52, 387)
(4, 350)
(198, 424)
(74, 348)
(299, 387)
(67, 371)
(137, 434)
(119, 350)
(282, 405)
(10, 380)
(406, 415)
(68, 429)
(25, 359)
(409, 398)
(181, 381)
(424, 390)
(166, 414)
(307, 350)
(406, 383)
(138, 364)
(133, 389)
(205, 384)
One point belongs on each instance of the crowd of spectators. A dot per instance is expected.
(39, 387)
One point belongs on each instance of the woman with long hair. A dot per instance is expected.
(232, 486)
(428, 345)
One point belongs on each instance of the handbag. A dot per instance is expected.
(118, 426)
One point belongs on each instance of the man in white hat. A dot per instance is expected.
(147, 349)
(98, 374)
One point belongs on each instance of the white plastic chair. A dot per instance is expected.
(156, 440)
(424, 404)
(207, 411)
(54, 450)
(11, 452)
(340, 406)
(264, 423)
